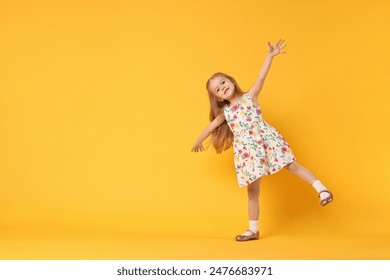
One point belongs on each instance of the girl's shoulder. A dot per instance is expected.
(253, 100)
(225, 109)
(245, 97)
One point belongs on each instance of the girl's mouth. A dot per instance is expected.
(225, 91)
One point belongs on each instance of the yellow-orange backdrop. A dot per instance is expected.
(101, 101)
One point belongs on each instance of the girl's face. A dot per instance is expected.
(222, 87)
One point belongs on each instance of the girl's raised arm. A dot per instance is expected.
(272, 51)
(198, 147)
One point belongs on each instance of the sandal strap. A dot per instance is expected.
(326, 192)
(243, 237)
(326, 200)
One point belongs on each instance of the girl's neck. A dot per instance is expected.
(235, 99)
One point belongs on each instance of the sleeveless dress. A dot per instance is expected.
(259, 149)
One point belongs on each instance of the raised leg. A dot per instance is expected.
(302, 172)
(307, 176)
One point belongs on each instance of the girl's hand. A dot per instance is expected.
(198, 147)
(276, 49)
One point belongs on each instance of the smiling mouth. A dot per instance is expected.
(225, 91)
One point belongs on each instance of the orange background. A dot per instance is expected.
(101, 101)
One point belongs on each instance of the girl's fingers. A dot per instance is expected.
(197, 149)
(280, 43)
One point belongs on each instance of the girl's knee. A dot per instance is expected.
(253, 194)
(292, 167)
(254, 189)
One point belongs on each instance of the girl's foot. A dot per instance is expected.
(325, 197)
(248, 235)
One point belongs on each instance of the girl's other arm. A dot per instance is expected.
(272, 51)
(198, 147)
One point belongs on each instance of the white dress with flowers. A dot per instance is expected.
(259, 149)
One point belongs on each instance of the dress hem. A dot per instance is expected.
(273, 172)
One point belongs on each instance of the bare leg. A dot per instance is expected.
(302, 172)
(253, 200)
(307, 176)
(253, 212)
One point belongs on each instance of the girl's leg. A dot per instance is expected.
(253, 200)
(253, 212)
(302, 172)
(307, 176)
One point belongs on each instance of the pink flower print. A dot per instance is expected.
(248, 107)
(251, 132)
(235, 117)
(262, 131)
(235, 107)
(246, 155)
(258, 111)
(274, 169)
(240, 151)
(248, 119)
(262, 160)
(260, 142)
(276, 160)
(284, 149)
(232, 124)
(252, 158)
(265, 147)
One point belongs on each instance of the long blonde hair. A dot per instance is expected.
(222, 137)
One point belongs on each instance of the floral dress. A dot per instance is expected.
(259, 149)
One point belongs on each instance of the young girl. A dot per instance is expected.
(259, 149)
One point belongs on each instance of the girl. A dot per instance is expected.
(259, 149)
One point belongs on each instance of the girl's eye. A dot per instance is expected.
(223, 82)
(217, 90)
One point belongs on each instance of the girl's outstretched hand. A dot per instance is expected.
(277, 48)
(198, 147)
